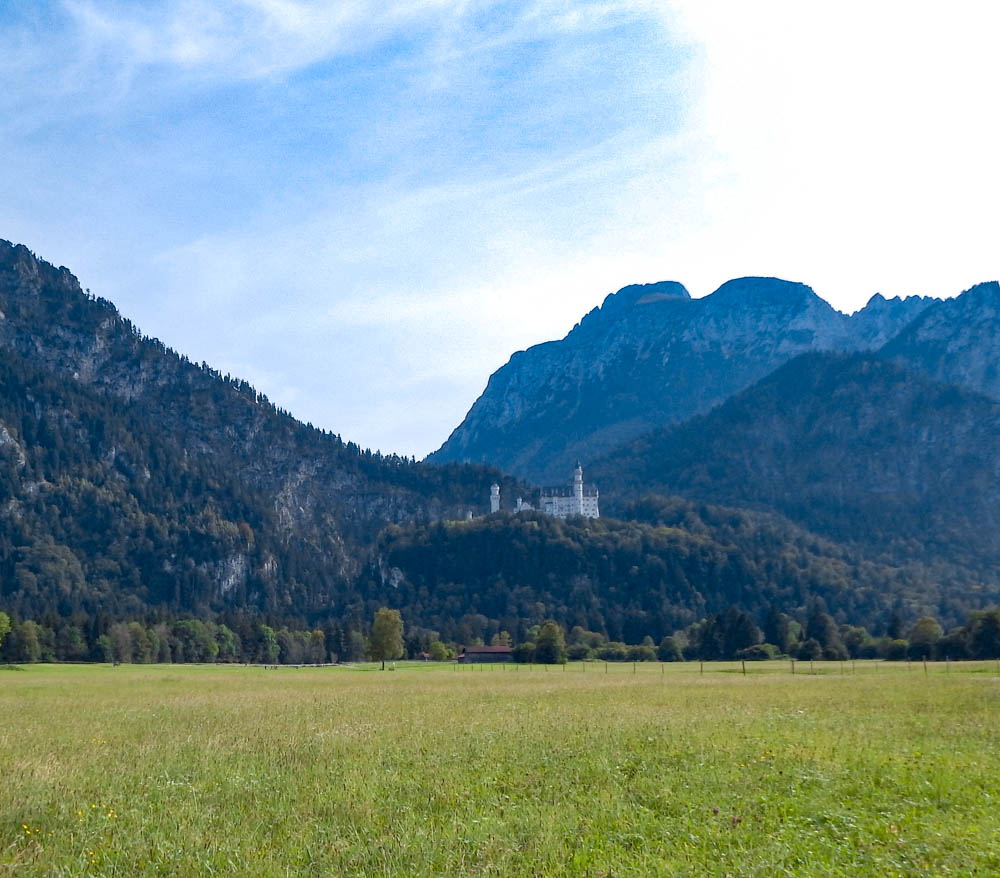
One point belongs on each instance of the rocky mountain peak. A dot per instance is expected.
(651, 356)
(883, 318)
(755, 292)
(625, 302)
(984, 293)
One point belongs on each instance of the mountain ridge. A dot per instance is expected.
(627, 368)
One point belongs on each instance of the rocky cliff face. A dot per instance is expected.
(651, 356)
(329, 497)
(956, 341)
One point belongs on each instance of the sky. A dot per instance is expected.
(365, 207)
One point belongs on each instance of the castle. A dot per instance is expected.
(560, 502)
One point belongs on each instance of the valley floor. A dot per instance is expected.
(440, 770)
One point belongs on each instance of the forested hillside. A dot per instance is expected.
(853, 447)
(672, 563)
(133, 481)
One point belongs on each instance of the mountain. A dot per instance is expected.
(955, 341)
(648, 357)
(123, 462)
(136, 485)
(852, 447)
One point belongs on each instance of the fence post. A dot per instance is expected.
(793, 665)
(925, 666)
(744, 667)
(701, 668)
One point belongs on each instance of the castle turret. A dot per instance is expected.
(578, 487)
(494, 497)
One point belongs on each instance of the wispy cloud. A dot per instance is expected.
(351, 204)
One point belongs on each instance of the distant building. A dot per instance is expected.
(567, 500)
(486, 654)
(561, 501)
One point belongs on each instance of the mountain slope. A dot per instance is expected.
(955, 341)
(324, 501)
(652, 356)
(852, 447)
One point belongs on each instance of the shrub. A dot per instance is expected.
(641, 653)
(895, 650)
(759, 652)
(613, 652)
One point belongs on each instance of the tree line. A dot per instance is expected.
(730, 635)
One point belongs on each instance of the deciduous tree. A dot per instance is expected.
(386, 642)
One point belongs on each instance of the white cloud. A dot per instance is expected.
(445, 225)
(261, 38)
(857, 144)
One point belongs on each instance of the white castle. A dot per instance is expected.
(560, 502)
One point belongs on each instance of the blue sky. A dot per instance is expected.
(364, 208)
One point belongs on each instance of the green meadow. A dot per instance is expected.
(646, 770)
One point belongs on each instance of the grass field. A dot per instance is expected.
(181, 770)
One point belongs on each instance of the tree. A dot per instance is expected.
(4, 625)
(28, 635)
(810, 650)
(438, 652)
(984, 641)
(524, 653)
(354, 647)
(855, 638)
(106, 648)
(923, 637)
(777, 629)
(821, 628)
(268, 646)
(550, 647)
(739, 632)
(670, 650)
(386, 641)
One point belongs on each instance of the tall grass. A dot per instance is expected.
(180, 770)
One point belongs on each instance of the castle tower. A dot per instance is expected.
(494, 497)
(578, 488)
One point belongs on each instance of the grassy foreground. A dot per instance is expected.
(180, 770)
